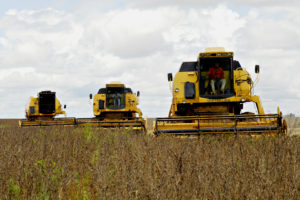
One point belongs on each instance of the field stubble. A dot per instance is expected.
(85, 163)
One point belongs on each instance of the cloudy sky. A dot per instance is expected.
(75, 47)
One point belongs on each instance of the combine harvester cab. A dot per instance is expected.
(41, 111)
(115, 106)
(210, 101)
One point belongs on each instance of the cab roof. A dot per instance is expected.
(115, 84)
(216, 52)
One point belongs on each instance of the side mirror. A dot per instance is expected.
(91, 96)
(138, 93)
(65, 106)
(256, 69)
(170, 77)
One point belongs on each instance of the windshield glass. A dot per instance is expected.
(215, 76)
(115, 98)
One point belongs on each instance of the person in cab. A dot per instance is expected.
(216, 79)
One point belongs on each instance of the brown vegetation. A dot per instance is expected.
(293, 124)
(84, 163)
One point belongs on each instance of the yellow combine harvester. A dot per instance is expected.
(41, 111)
(208, 98)
(115, 106)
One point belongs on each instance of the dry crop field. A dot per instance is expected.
(293, 125)
(85, 163)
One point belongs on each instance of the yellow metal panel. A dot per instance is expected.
(58, 108)
(179, 82)
(241, 83)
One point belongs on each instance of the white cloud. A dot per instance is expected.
(76, 53)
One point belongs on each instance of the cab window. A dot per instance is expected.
(216, 77)
(115, 98)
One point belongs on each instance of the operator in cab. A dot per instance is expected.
(216, 79)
